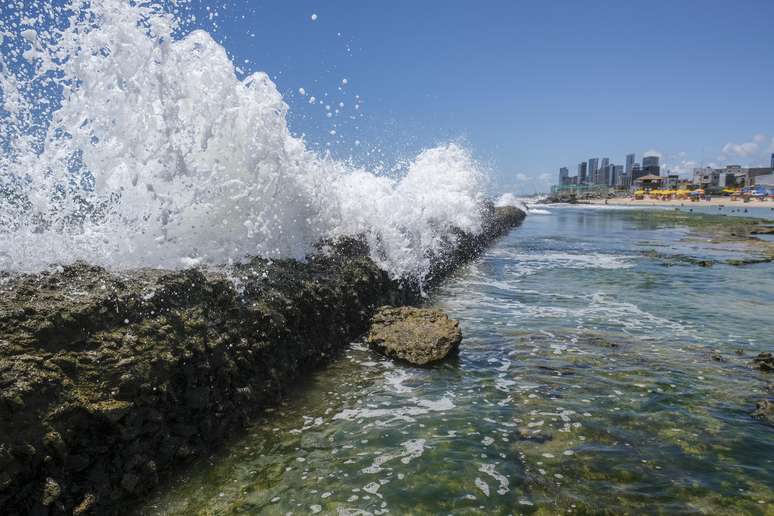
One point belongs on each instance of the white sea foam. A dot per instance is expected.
(412, 449)
(508, 199)
(421, 407)
(530, 263)
(489, 469)
(154, 153)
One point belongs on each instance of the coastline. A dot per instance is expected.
(715, 201)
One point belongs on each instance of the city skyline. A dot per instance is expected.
(605, 173)
(596, 171)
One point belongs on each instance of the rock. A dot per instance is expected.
(764, 410)
(129, 482)
(764, 361)
(51, 491)
(86, 505)
(417, 335)
(55, 443)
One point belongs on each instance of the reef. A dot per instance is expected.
(711, 228)
(109, 380)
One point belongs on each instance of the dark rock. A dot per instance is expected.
(129, 482)
(417, 335)
(51, 492)
(764, 361)
(54, 442)
(764, 409)
(88, 502)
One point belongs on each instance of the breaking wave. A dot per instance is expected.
(127, 143)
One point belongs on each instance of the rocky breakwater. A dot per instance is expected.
(110, 379)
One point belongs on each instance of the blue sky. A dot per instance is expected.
(527, 86)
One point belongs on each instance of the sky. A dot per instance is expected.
(526, 86)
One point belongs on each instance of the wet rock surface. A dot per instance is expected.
(110, 379)
(764, 410)
(764, 361)
(419, 336)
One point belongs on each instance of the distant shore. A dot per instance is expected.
(715, 201)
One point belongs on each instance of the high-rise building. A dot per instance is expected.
(629, 164)
(637, 173)
(582, 173)
(564, 175)
(605, 162)
(615, 176)
(650, 165)
(593, 170)
(624, 180)
(772, 160)
(604, 175)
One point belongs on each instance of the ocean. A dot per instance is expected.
(592, 378)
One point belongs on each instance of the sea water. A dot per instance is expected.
(591, 379)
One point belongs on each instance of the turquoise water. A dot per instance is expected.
(592, 379)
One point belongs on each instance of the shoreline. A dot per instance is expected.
(715, 201)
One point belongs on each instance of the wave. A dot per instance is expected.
(126, 144)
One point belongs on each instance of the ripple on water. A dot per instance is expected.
(573, 392)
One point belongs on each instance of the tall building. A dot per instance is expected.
(564, 175)
(629, 164)
(582, 173)
(772, 160)
(593, 170)
(615, 178)
(637, 173)
(605, 174)
(650, 166)
(605, 162)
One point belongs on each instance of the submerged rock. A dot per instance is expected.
(764, 361)
(764, 410)
(417, 335)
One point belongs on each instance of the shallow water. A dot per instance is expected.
(586, 383)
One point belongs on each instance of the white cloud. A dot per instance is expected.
(759, 149)
(743, 150)
(653, 152)
(682, 167)
(521, 177)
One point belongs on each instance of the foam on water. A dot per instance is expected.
(527, 263)
(406, 413)
(150, 151)
(508, 199)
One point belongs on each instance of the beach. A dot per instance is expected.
(714, 201)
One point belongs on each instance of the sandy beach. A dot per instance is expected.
(715, 201)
